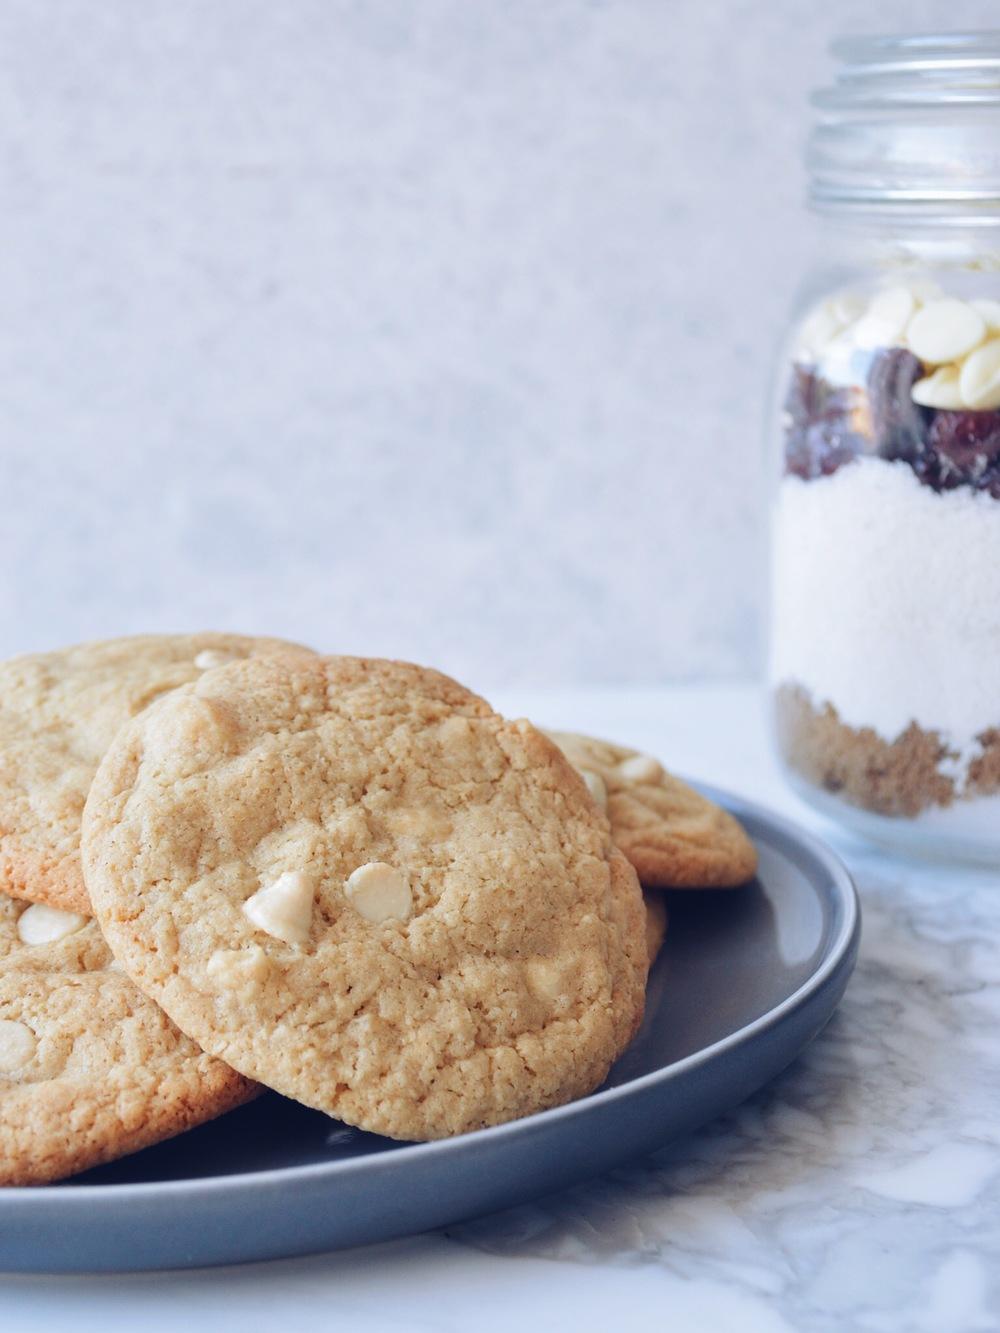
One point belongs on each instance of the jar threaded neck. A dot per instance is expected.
(910, 129)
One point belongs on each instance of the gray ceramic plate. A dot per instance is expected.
(745, 980)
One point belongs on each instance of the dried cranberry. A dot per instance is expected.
(899, 424)
(818, 452)
(969, 439)
(805, 396)
(823, 431)
(963, 449)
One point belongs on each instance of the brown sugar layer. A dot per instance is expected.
(901, 777)
(984, 771)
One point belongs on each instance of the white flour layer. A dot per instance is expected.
(886, 601)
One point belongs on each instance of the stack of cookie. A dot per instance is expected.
(230, 863)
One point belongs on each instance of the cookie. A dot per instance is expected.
(89, 1068)
(353, 881)
(58, 714)
(656, 924)
(675, 837)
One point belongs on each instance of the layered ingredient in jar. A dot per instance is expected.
(886, 597)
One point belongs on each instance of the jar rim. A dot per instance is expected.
(911, 124)
(914, 69)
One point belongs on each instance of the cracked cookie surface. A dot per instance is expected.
(90, 1069)
(352, 880)
(58, 714)
(675, 837)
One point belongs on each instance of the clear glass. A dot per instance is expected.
(884, 662)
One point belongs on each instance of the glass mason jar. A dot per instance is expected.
(884, 666)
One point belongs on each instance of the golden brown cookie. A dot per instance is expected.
(675, 837)
(58, 714)
(89, 1068)
(352, 880)
(656, 924)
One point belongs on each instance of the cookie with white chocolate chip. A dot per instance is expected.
(35, 936)
(675, 837)
(58, 714)
(90, 1069)
(352, 880)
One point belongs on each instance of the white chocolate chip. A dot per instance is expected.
(871, 333)
(41, 924)
(239, 968)
(595, 785)
(819, 328)
(379, 892)
(544, 978)
(640, 768)
(939, 390)
(886, 319)
(838, 363)
(924, 289)
(846, 307)
(213, 657)
(990, 311)
(825, 321)
(284, 908)
(17, 1045)
(980, 377)
(945, 331)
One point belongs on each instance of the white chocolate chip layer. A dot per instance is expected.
(886, 318)
(17, 1045)
(830, 319)
(846, 307)
(980, 377)
(40, 924)
(640, 768)
(284, 908)
(945, 331)
(939, 390)
(596, 786)
(990, 311)
(379, 892)
(213, 657)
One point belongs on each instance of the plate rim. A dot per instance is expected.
(839, 949)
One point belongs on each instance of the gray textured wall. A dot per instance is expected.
(434, 329)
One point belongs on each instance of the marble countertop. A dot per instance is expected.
(860, 1190)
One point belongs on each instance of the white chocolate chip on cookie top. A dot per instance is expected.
(40, 924)
(17, 1045)
(212, 657)
(640, 768)
(237, 968)
(379, 892)
(284, 909)
(596, 786)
